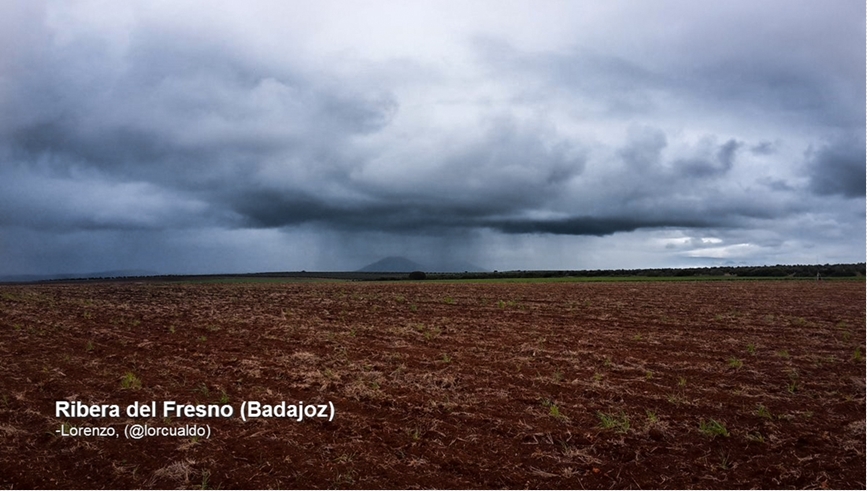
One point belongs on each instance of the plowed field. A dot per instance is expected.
(729, 384)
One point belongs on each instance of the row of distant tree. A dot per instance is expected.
(778, 271)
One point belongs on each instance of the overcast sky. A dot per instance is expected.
(207, 137)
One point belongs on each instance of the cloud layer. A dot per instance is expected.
(206, 137)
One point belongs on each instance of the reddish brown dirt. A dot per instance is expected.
(443, 385)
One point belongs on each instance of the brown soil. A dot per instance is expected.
(539, 385)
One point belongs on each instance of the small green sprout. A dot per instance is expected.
(130, 381)
(713, 428)
(608, 421)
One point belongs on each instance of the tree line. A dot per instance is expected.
(777, 271)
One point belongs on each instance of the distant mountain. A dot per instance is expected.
(120, 273)
(398, 264)
(392, 264)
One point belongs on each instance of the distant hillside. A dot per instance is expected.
(398, 264)
(121, 273)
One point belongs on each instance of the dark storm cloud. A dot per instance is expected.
(211, 124)
(839, 167)
(192, 120)
(597, 226)
(179, 110)
(167, 127)
(505, 170)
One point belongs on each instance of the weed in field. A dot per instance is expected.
(449, 301)
(847, 335)
(432, 333)
(224, 398)
(648, 375)
(414, 433)
(762, 412)
(428, 332)
(446, 358)
(783, 354)
(793, 385)
(858, 356)
(203, 389)
(65, 428)
(651, 416)
(130, 381)
(725, 462)
(172, 328)
(676, 399)
(597, 377)
(203, 338)
(681, 382)
(735, 363)
(713, 428)
(637, 337)
(344, 480)
(205, 476)
(88, 347)
(607, 362)
(609, 421)
(413, 307)
(346, 458)
(756, 437)
(554, 411)
(9, 296)
(751, 349)
(558, 377)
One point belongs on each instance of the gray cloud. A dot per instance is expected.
(838, 167)
(763, 148)
(719, 161)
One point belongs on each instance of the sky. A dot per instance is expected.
(186, 137)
